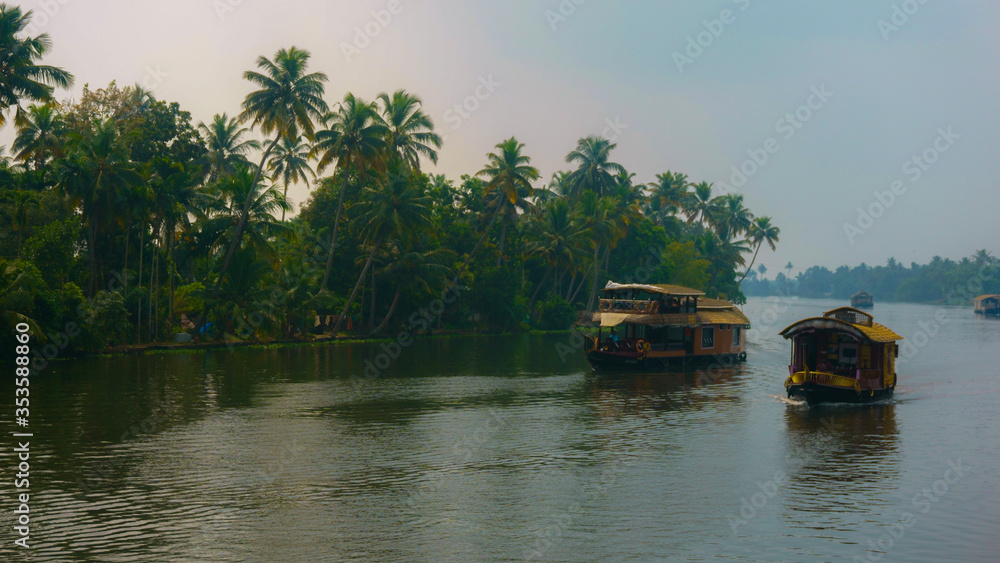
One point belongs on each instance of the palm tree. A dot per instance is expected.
(509, 211)
(594, 171)
(96, 170)
(224, 210)
(729, 216)
(38, 135)
(174, 194)
(15, 298)
(699, 204)
(291, 163)
(394, 207)
(599, 222)
(286, 103)
(413, 268)
(226, 146)
(761, 231)
(507, 172)
(355, 138)
(410, 134)
(20, 78)
(21, 200)
(556, 242)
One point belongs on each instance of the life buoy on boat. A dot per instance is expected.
(640, 345)
(605, 305)
(743, 356)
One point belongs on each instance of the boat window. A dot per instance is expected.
(736, 336)
(707, 337)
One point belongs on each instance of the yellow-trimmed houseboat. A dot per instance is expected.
(842, 357)
(650, 326)
(862, 300)
(988, 304)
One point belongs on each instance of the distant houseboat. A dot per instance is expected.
(862, 300)
(652, 326)
(988, 304)
(841, 357)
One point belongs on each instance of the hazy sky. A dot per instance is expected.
(838, 97)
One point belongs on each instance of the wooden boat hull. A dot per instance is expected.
(814, 394)
(620, 362)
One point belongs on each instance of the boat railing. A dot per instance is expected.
(640, 306)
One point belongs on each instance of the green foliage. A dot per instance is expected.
(105, 321)
(52, 249)
(190, 298)
(557, 314)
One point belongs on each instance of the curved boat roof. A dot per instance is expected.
(847, 320)
(659, 288)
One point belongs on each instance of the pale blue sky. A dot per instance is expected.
(614, 61)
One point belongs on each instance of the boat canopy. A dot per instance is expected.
(731, 317)
(661, 289)
(987, 297)
(847, 320)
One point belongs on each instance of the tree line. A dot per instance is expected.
(941, 280)
(123, 216)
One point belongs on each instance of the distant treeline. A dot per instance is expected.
(940, 281)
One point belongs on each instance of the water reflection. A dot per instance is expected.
(853, 450)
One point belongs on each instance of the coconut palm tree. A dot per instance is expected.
(413, 268)
(290, 163)
(410, 134)
(557, 241)
(730, 218)
(355, 138)
(761, 231)
(287, 102)
(96, 169)
(227, 148)
(225, 208)
(21, 201)
(509, 211)
(699, 204)
(20, 78)
(394, 207)
(594, 172)
(39, 135)
(507, 172)
(599, 222)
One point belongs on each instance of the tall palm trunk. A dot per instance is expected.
(750, 267)
(284, 197)
(475, 249)
(392, 309)
(597, 272)
(371, 316)
(128, 232)
(354, 293)
(243, 217)
(503, 238)
(138, 321)
(92, 257)
(333, 240)
(534, 296)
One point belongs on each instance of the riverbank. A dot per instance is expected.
(179, 347)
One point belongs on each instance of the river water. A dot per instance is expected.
(511, 449)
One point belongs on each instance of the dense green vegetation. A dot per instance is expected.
(940, 281)
(122, 218)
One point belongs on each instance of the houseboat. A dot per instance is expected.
(648, 326)
(842, 357)
(988, 304)
(862, 300)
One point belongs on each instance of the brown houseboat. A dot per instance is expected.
(988, 304)
(651, 326)
(862, 300)
(842, 357)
